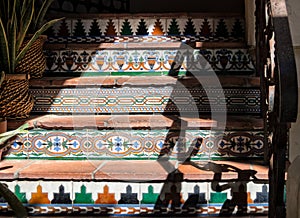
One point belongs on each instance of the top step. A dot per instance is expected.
(168, 27)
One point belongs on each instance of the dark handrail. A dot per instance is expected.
(276, 65)
(286, 66)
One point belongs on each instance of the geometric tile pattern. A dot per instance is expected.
(88, 204)
(126, 29)
(133, 144)
(92, 100)
(147, 61)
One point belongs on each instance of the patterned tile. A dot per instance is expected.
(146, 195)
(136, 144)
(147, 99)
(221, 28)
(129, 62)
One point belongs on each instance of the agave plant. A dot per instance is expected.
(16, 17)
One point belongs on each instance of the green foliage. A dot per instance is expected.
(4, 137)
(16, 18)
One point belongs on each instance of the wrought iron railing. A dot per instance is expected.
(275, 63)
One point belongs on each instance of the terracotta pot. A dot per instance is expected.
(3, 126)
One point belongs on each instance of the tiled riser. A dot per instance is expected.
(148, 62)
(133, 144)
(87, 30)
(112, 198)
(145, 100)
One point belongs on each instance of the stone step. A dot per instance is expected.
(162, 94)
(129, 170)
(135, 121)
(148, 28)
(116, 81)
(136, 137)
(131, 188)
(148, 59)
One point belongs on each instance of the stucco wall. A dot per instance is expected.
(293, 7)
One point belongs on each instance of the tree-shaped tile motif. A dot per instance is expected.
(238, 30)
(197, 195)
(263, 196)
(106, 197)
(142, 29)
(126, 29)
(83, 197)
(110, 28)
(218, 197)
(63, 30)
(95, 28)
(39, 197)
(173, 29)
(190, 29)
(158, 29)
(128, 197)
(79, 30)
(171, 196)
(150, 197)
(205, 29)
(61, 197)
(20, 195)
(221, 30)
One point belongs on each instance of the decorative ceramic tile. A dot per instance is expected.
(151, 61)
(136, 144)
(146, 99)
(210, 29)
(124, 199)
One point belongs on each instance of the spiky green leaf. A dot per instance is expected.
(4, 60)
(39, 19)
(34, 37)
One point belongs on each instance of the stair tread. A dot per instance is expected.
(135, 121)
(122, 170)
(225, 81)
(137, 45)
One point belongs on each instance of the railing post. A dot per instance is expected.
(275, 63)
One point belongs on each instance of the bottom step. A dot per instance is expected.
(136, 188)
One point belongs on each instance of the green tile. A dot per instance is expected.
(83, 197)
(218, 197)
(20, 195)
(150, 197)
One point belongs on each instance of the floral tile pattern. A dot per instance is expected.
(148, 62)
(133, 144)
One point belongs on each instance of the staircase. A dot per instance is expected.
(143, 115)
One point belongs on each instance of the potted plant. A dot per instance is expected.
(34, 61)
(15, 19)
